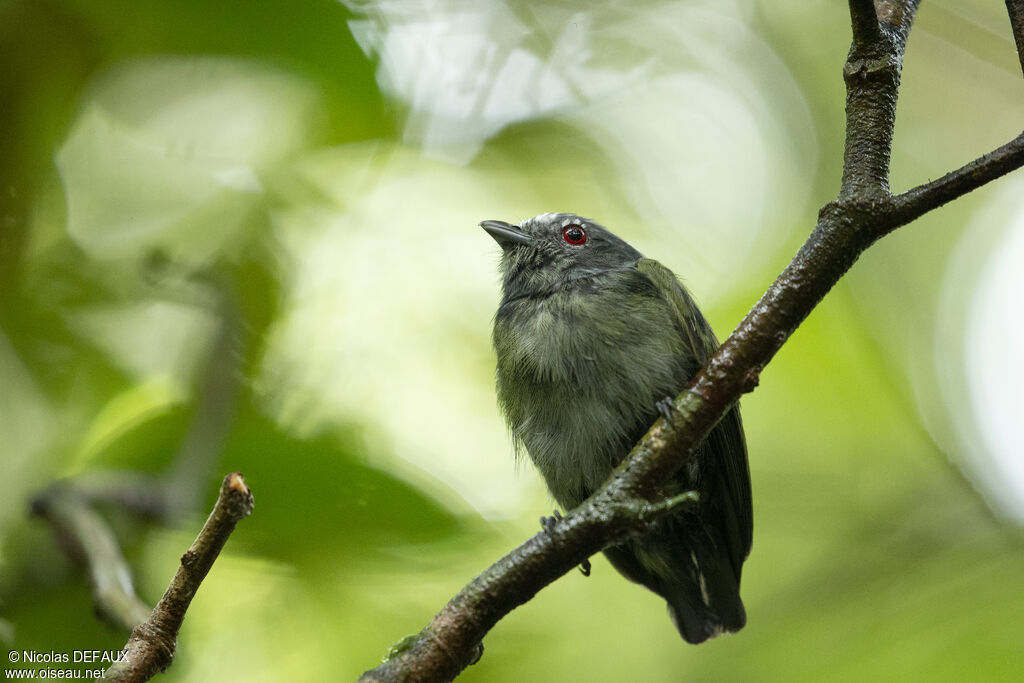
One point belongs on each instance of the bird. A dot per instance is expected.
(591, 338)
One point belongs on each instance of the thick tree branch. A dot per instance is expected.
(863, 212)
(1015, 8)
(452, 640)
(150, 649)
(864, 22)
(872, 75)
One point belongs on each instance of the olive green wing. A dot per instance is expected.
(725, 445)
(700, 338)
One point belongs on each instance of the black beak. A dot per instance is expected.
(506, 234)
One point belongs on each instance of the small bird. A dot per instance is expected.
(591, 337)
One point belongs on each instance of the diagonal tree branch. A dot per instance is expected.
(863, 212)
(1015, 8)
(452, 640)
(918, 201)
(88, 538)
(150, 649)
(70, 506)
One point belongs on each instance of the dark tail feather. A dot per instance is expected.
(697, 623)
(702, 590)
(707, 602)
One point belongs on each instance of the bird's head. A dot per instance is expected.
(552, 250)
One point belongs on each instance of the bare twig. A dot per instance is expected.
(863, 212)
(150, 649)
(69, 505)
(142, 494)
(89, 539)
(1015, 8)
(916, 202)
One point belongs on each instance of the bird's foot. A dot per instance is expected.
(548, 523)
(666, 407)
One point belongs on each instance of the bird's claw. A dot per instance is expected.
(666, 407)
(585, 567)
(548, 523)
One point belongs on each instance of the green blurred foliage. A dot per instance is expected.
(176, 171)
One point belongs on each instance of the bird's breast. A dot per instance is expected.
(578, 378)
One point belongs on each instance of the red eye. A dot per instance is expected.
(574, 234)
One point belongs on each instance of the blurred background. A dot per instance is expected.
(244, 236)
